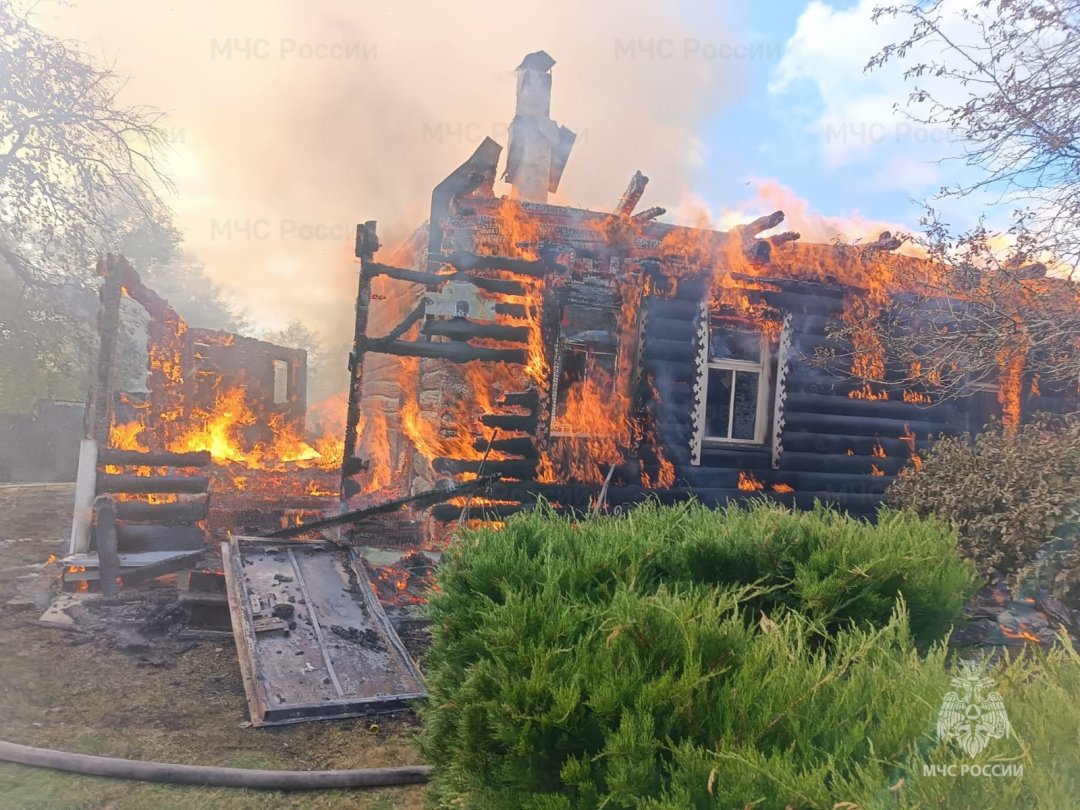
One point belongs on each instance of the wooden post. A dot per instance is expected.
(367, 242)
(105, 535)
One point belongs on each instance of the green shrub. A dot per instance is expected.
(680, 657)
(1005, 492)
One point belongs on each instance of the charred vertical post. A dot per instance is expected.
(105, 537)
(367, 242)
(108, 331)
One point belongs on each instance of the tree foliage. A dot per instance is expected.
(1002, 75)
(74, 160)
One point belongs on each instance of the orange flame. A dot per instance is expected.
(749, 483)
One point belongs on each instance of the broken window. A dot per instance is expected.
(583, 368)
(736, 386)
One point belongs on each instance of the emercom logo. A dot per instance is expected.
(970, 717)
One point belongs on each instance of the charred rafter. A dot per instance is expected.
(462, 329)
(630, 198)
(455, 352)
(493, 285)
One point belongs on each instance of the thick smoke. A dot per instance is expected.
(291, 122)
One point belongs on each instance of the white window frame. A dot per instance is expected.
(761, 368)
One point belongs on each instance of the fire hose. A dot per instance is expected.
(211, 776)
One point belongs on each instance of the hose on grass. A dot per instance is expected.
(211, 776)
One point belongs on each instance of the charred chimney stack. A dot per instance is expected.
(539, 147)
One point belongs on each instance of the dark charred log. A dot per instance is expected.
(781, 239)
(885, 242)
(649, 214)
(466, 260)
(521, 399)
(461, 329)
(133, 538)
(105, 539)
(858, 425)
(630, 198)
(455, 352)
(137, 458)
(509, 421)
(151, 484)
(521, 446)
(163, 513)
(507, 468)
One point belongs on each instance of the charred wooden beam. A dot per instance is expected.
(814, 289)
(781, 239)
(462, 329)
(162, 513)
(451, 513)
(407, 322)
(759, 250)
(669, 370)
(506, 468)
(885, 242)
(829, 444)
(630, 198)
(510, 310)
(521, 399)
(150, 484)
(868, 425)
(843, 405)
(420, 499)
(132, 576)
(509, 421)
(133, 538)
(137, 458)
(683, 311)
(519, 446)
(658, 348)
(427, 278)
(854, 465)
(108, 334)
(456, 352)
(466, 260)
(105, 539)
(649, 214)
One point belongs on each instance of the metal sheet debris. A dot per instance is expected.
(312, 638)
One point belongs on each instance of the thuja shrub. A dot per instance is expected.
(1006, 493)
(682, 657)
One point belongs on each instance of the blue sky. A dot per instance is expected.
(812, 119)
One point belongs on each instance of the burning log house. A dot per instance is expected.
(510, 350)
(595, 359)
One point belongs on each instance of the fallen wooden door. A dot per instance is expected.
(312, 638)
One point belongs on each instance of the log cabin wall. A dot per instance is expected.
(814, 435)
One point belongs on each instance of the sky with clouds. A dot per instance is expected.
(292, 121)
